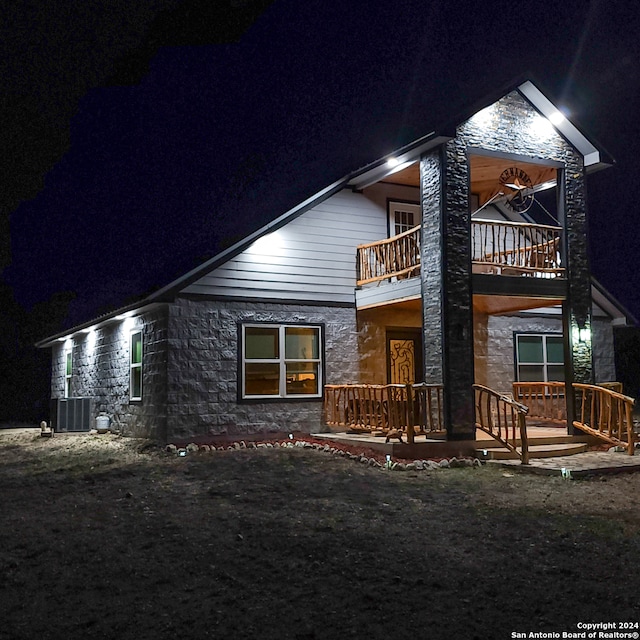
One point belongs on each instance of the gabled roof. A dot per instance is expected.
(594, 157)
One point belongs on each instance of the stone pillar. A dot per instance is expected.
(446, 284)
(576, 310)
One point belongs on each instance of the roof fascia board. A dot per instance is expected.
(610, 305)
(591, 155)
(403, 157)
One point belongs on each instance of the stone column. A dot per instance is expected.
(446, 284)
(576, 310)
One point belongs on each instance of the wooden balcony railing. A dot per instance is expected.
(516, 249)
(601, 410)
(503, 248)
(504, 419)
(396, 257)
(413, 409)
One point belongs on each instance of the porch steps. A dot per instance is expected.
(543, 447)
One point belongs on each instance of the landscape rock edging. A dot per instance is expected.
(370, 458)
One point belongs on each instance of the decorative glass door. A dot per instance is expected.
(404, 356)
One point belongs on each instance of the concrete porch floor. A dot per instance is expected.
(543, 440)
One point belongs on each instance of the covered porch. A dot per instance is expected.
(407, 420)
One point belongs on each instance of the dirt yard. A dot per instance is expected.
(107, 537)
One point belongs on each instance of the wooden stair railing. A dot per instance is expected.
(412, 409)
(503, 419)
(605, 414)
(601, 410)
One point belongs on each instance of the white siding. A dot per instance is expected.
(312, 258)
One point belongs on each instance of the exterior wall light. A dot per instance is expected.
(581, 334)
(392, 163)
(584, 335)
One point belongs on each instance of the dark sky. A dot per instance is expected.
(143, 136)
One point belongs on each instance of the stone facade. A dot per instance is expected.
(203, 367)
(495, 349)
(100, 371)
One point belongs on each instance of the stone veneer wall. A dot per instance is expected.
(202, 396)
(510, 126)
(494, 347)
(372, 339)
(100, 370)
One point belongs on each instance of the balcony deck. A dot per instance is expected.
(525, 257)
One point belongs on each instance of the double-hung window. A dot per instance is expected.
(281, 361)
(135, 366)
(539, 357)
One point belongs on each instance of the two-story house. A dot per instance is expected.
(460, 258)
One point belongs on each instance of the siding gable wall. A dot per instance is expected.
(312, 258)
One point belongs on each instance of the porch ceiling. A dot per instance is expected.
(485, 174)
(486, 170)
(491, 305)
(496, 305)
(409, 177)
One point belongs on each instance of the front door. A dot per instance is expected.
(404, 356)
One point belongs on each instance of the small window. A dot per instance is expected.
(135, 365)
(539, 358)
(402, 217)
(281, 361)
(68, 372)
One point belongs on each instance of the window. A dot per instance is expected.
(68, 371)
(135, 366)
(539, 358)
(402, 217)
(281, 361)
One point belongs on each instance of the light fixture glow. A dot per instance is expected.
(541, 127)
(268, 245)
(484, 118)
(557, 117)
(393, 162)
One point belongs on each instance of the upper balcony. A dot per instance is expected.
(507, 249)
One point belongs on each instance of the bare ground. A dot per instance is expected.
(107, 537)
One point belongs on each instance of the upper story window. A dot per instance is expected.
(135, 366)
(402, 217)
(281, 361)
(539, 357)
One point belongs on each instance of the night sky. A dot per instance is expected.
(141, 138)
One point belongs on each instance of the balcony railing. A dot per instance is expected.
(507, 248)
(396, 257)
(502, 248)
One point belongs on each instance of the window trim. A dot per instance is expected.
(545, 362)
(282, 360)
(135, 365)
